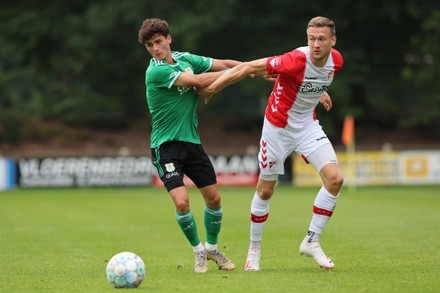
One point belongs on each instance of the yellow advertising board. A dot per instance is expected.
(361, 168)
(420, 167)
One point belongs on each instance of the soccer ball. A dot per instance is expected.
(125, 270)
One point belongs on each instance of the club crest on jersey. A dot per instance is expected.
(170, 167)
(275, 62)
(272, 164)
(330, 74)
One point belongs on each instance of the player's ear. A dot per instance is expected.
(169, 39)
(333, 41)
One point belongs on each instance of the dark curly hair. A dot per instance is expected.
(152, 26)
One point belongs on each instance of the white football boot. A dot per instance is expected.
(313, 249)
(253, 259)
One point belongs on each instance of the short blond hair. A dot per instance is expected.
(321, 21)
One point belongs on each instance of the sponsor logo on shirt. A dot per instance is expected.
(184, 89)
(309, 88)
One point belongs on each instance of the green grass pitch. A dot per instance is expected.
(382, 239)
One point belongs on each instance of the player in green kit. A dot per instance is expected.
(171, 79)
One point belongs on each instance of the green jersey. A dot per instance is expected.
(173, 109)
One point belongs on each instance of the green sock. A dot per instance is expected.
(189, 227)
(213, 223)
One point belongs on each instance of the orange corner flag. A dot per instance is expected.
(348, 130)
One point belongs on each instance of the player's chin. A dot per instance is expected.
(159, 56)
(318, 55)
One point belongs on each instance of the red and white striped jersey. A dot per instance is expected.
(298, 87)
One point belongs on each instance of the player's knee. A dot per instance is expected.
(339, 180)
(336, 180)
(210, 194)
(215, 199)
(182, 206)
(265, 192)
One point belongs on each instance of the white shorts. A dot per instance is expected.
(276, 144)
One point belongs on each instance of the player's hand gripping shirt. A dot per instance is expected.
(172, 108)
(299, 86)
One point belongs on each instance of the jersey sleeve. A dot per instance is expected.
(289, 63)
(162, 76)
(337, 60)
(200, 64)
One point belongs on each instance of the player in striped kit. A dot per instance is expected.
(290, 125)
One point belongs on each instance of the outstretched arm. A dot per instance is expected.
(255, 67)
(222, 64)
(205, 79)
(197, 80)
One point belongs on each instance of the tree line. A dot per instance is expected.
(79, 62)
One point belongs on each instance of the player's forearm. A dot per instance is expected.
(205, 79)
(231, 63)
(230, 77)
(221, 64)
